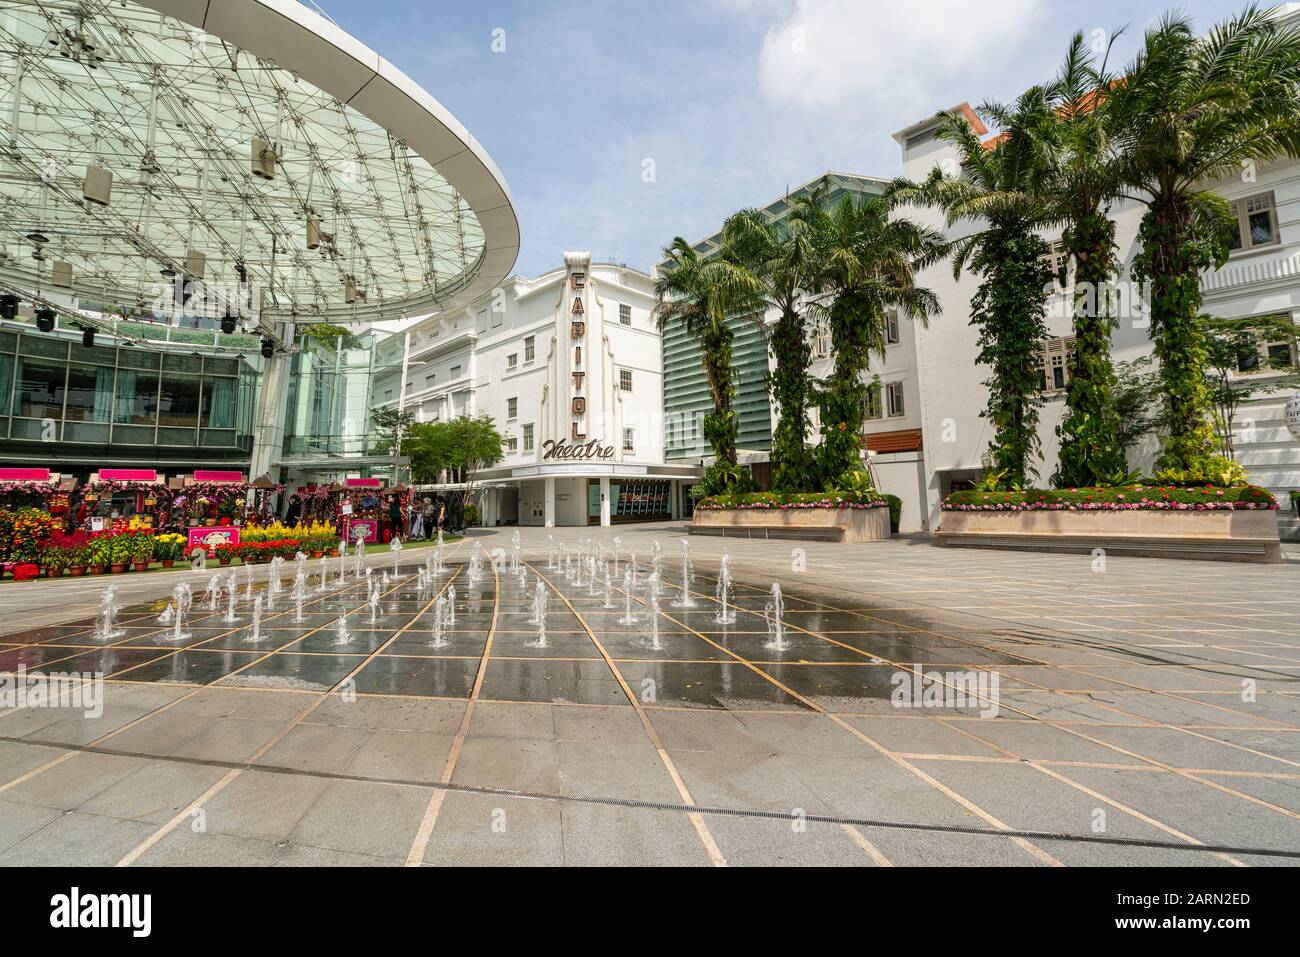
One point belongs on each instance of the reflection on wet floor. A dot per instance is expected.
(836, 659)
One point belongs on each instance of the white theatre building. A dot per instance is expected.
(569, 367)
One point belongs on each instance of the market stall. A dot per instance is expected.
(40, 488)
(119, 499)
(213, 503)
(362, 508)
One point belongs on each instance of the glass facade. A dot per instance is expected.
(332, 392)
(66, 395)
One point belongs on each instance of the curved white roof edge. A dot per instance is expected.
(302, 41)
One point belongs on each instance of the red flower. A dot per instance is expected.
(26, 572)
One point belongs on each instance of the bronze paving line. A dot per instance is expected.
(939, 786)
(715, 854)
(415, 856)
(135, 853)
(185, 697)
(1116, 804)
(1069, 730)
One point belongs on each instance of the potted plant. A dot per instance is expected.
(75, 548)
(226, 511)
(100, 553)
(167, 547)
(119, 552)
(141, 552)
(53, 557)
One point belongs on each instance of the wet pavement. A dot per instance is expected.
(927, 706)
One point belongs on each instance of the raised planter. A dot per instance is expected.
(1239, 535)
(828, 524)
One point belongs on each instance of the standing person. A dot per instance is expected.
(442, 513)
(293, 514)
(430, 515)
(417, 521)
(395, 516)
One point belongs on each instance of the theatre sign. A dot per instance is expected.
(561, 450)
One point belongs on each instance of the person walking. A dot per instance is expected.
(293, 514)
(430, 515)
(394, 516)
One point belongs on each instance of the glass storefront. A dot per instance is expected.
(332, 392)
(56, 390)
(638, 500)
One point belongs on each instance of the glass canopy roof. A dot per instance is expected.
(225, 167)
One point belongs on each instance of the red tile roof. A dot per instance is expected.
(900, 440)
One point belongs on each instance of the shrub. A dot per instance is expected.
(723, 478)
(1119, 498)
(168, 547)
(31, 528)
(895, 512)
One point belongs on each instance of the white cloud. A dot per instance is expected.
(830, 54)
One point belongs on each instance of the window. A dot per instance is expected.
(1256, 222)
(512, 408)
(512, 444)
(1059, 261)
(874, 409)
(529, 350)
(481, 320)
(891, 328)
(455, 372)
(629, 440)
(430, 379)
(1054, 364)
(625, 380)
(625, 314)
(512, 360)
(40, 388)
(528, 437)
(820, 343)
(498, 315)
(178, 401)
(1270, 355)
(894, 398)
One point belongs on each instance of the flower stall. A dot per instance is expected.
(214, 504)
(362, 508)
(37, 488)
(118, 499)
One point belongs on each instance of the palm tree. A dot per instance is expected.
(1193, 110)
(1003, 188)
(868, 264)
(769, 264)
(690, 291)
(1083, 182)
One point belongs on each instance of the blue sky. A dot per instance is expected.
(726, 102)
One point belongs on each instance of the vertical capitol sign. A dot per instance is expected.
(1293, 416)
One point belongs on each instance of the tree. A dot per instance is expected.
(1001, 187)
(1082, 182)
(692, 292)
(770, 264)
(1232, 347)
(462, 446)
(390, 426)
(866, 264)
(1137, 401)
(1192, 110)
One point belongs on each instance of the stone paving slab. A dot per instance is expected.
(1125, 690)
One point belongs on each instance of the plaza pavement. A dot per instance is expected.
(1146, 714)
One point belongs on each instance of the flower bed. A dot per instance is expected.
(834, 516)
(1159, 521)
(1121, 498)
(793, 500)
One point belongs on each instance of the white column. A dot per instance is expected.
(604, 500)
(675, 499)
(548, 513)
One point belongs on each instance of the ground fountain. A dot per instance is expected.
(773, 612)
(213, 592)
(232, 596)
(341, 636)
(360, 552)
(725, 592)
(183, 598)
(551, 554)
(395, 546)
(540, 601)
(451, 604)
(618, 544)
(373, 602)
(324, 575)
(609, 598)
(629, 583)
(255, 629)
(167, 615)
(439, 625)
(684, 600)
(299, 592)
(248, 582)
(652, 599)
(514, 551)
(656, 559)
